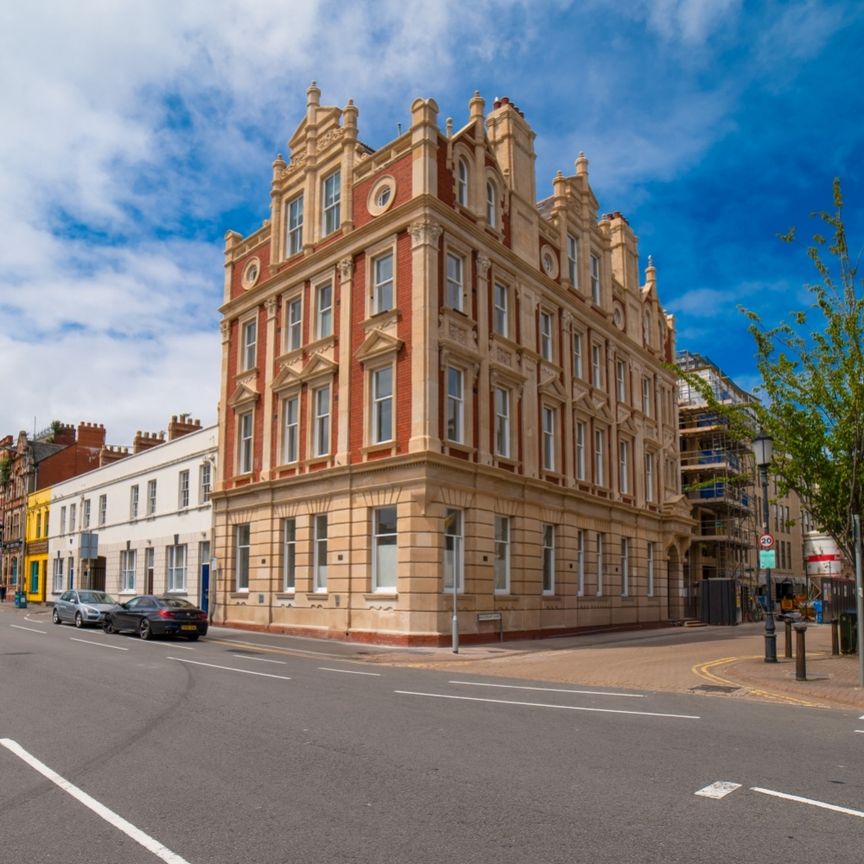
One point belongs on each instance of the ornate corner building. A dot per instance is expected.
(435, 389)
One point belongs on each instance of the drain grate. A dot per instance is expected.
(715, 688)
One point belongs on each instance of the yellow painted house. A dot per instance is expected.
(36, 549)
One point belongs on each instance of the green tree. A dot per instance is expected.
(812, 370)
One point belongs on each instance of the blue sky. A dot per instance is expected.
(135, 135)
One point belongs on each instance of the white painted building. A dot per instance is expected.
(151, 514)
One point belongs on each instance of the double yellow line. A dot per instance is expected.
(704, 670)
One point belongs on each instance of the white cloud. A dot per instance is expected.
(691, 22)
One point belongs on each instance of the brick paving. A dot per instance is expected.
(721, 661)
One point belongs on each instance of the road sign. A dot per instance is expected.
(766, 541)
(767, 559)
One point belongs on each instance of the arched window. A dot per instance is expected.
(462, 182)
(491, 207)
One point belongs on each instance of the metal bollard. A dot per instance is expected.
(788, 638)
(800, 653)
(835, 637)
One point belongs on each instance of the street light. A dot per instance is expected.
(763, 449)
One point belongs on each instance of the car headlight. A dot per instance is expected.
(89, 610)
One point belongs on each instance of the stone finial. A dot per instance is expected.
(313, 95)
(349, 113)
(582, 165)
(477, 106)
(449, 127)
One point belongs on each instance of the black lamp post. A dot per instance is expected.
(763, 449)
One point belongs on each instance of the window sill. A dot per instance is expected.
(243, 592)
(380, 595)
(382, 447)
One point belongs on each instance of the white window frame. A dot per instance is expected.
(62, 520)
(491, 203)
(134, 499)
(549, 418)
(176, 561)
(573, 261)
(599, 457)
(383, 290)
(128, 566)
(581, 434)
(596, 286)
(205, 481)
(294, 323)
(646, 397)
(320, 530)
(324, 309)
(331, 196)
(624, 467)
(321, 427)
(596, 366)
(454, 550)
(454, 294)
(381, 390)
(289, 555)
(183, 492)
(85, 515)
(294, 226)
(548, 559)
(291, 429)
(502, 422)
(152, 492)
(57, 576)
(621, 380)
(501, 560)
(245, 441)
(249, 347)
(501, 309)
(649, 478)
(385, 566)
(242, 556)
(454, 419)
(103, 510)
(578, 364)
(547, 345)
(463, 181)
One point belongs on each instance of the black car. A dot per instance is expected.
(148, 616)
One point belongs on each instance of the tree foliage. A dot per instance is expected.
(812, 370)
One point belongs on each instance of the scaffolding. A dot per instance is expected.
(718, 478)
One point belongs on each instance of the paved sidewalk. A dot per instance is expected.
(726, 661)
(721, 661)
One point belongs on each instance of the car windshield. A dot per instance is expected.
(95, 597)
(175, 603)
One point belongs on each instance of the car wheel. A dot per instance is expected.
(79, 621)
(107, 626)
(144, 630)
(56, 617)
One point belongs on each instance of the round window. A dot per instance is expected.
(381, 196)
(251, 273)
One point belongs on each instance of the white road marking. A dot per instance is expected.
(28, 629)
(259, 659)
(860, 730)
(348, 671)
(543, 705)
(718, 790)
(835, 807)
(145, 840)
(99, 644)
(165, 645)
(230, 668)
(551, 689)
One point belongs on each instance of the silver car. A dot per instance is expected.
(82, 607)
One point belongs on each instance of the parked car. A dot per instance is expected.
(148, 615)
(82, 607)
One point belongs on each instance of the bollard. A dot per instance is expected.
(800, 653)
(835, 638)
(788, 638)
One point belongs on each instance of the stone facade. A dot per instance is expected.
(429, 379)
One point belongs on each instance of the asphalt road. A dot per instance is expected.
(241, 748)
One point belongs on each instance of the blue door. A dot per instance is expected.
(205, 586)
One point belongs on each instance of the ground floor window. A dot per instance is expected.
(128, 560)
(241, 541)
(384, 549)
(502, 555)
(548, 559)
(57, 576)
(176, 574)
(320, 551)
(289, 554)
(454, 563)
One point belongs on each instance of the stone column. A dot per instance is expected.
(266, 393)
(484, 416)
(346, 278)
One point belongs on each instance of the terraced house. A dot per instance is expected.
(435, 390)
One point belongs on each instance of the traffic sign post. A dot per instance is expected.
(766, 541)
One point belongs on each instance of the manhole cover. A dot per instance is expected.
(715, 688)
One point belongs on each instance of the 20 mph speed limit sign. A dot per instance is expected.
(766, 541)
